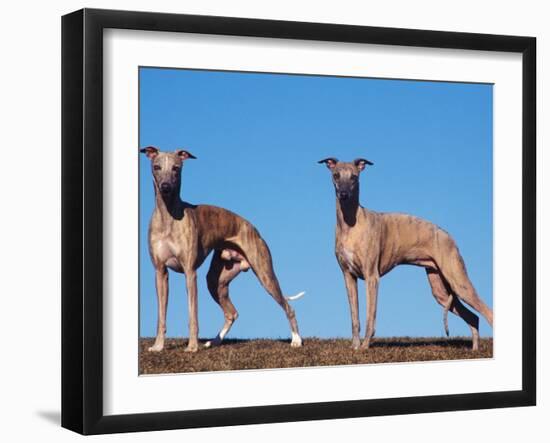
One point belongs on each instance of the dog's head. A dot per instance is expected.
(345, 175)
(166, 168)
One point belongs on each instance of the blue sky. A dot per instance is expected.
(258, 138)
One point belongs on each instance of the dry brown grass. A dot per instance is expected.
(264, 353)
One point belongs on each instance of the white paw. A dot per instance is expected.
(156, 348)
(296, 341)
(212, 343)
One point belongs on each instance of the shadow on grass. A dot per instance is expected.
(177, 343)
(381, 343)
(449, 343)
(405, 342)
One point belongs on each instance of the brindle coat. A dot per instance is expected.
(182, 235)
(370, 244)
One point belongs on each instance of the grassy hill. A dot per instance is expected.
(268, 353)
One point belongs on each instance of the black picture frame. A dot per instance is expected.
(82, 216)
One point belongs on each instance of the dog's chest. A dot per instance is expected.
(166, 251)
(349, 260)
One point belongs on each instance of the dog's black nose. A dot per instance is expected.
(165, 188)
(344, 195)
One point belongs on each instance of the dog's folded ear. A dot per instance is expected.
(361, 163)
(330, 162)
(184, 155)
(150, 151)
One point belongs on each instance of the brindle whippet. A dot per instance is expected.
(371, 244)
(182, 235)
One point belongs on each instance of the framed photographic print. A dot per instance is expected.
(269, 221)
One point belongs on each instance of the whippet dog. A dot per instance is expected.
(370, 244)
(182, 235)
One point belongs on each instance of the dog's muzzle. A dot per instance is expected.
(165, 188)
(343, 195)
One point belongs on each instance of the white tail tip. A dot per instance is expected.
(297, 296)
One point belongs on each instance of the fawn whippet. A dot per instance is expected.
(182, 235)
(371, 244)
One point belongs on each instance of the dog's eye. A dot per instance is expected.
(336, 175)
(157, 167)
(175, 168)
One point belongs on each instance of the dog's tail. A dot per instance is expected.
(296, 297)
(446, 308)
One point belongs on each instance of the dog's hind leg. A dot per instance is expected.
(442, 293)
(470, 318)
(220, 274)
(454, 272)
(259, 258)
(270, 283)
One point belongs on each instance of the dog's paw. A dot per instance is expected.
(212, 343)
(156, 348)
(366, 344)
(192, 348)
(355, 343)
(296, 341)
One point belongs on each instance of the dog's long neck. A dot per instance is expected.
(347, 210)
(170, 206)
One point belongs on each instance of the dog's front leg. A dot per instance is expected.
(351, 287)
(372, 301)
(192, 304)
(161, 282)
